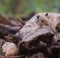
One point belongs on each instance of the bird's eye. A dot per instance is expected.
(38, 17)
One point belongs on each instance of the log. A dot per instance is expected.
(5, 20)
(10, 29)
(10, 49)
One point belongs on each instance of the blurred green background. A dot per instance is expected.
(23, 7)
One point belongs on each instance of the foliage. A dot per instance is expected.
(23, 7)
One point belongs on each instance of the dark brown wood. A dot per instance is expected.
(10, 57)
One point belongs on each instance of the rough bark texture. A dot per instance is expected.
(39, 37)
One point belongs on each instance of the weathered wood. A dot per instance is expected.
(58, 27)
(10, 49)
(11, 38)
(38, 55)
(5, 20)
(31, 29)
(29, 16)
(10, 29)
(57, 37)
(40, 34)
(11, 57)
